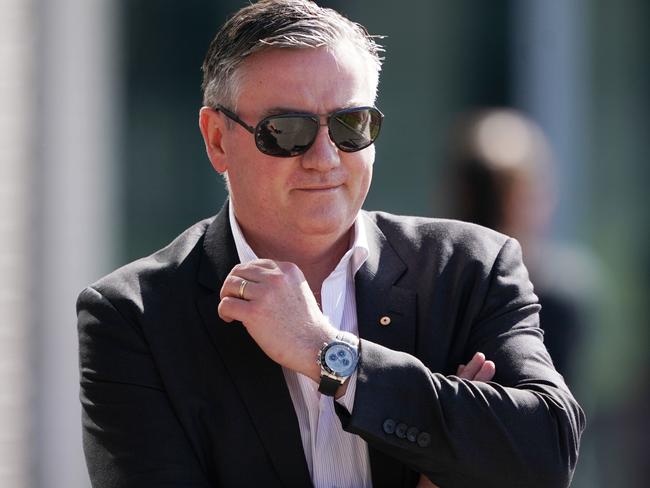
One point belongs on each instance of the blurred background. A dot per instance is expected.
(101, 162)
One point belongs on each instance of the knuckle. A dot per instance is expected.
(229, 283)
(276, 279)
(292, 270)
(267, 263)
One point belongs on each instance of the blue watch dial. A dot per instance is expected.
(341, 359)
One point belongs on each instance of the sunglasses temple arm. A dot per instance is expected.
(233, 116)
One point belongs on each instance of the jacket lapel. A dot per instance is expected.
(386, 312)
(258, 379)
(387, 316)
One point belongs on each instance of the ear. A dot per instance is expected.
(212, 127)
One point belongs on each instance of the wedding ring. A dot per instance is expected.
(242, 287)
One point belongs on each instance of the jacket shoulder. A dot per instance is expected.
(447, 237)
(156, 270)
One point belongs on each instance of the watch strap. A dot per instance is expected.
(328, 386)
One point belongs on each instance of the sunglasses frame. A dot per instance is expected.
(315, 117)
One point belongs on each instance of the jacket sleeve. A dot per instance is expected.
(131, 436)
(522, 429)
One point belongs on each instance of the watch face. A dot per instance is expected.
(341, 359)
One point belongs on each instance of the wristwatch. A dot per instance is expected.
(338, 360)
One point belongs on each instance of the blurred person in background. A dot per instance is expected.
(297, 340)
(500, 175)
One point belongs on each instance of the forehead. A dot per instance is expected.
(310, 79)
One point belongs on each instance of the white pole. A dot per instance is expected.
(77, 225)
(16, 162)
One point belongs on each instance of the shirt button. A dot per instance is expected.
(389, 426)
(400, 430)
(412, 434)
(424, 439)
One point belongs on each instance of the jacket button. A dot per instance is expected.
(389, 426)
(412, 434)
(385, 320)
(400, 430)
(424, 439)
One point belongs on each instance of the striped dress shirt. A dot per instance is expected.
(335, 458)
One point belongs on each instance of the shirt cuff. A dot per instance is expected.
(347, 400)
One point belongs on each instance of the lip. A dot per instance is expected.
(324, 188)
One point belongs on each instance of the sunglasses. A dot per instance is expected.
(292, 134)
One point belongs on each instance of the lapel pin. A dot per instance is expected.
(385, 320)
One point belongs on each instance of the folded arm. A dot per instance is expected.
(522, 429)
(478, 369)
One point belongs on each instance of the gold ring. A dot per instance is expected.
(242, 287)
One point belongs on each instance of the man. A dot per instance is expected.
(296, 340)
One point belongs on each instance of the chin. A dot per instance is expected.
(328, 224)
(320, 228)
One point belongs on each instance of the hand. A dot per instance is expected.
(279, 312)
(424, 482)
(478, 369)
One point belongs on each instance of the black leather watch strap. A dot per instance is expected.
(328, 386)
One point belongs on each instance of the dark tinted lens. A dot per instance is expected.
(355, 129)
(286, 135)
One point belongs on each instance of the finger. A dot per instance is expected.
(474, 366)
(230, 286)
(238, 287)
(459, 371)
(487, 371)
(266, 263)
(231, 309)
(256, 264)
(424, 482)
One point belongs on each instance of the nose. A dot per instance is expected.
(323, 155)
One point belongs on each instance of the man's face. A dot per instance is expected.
(314, 195)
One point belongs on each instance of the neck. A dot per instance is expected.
(316, 257)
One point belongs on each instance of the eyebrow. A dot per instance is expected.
(281, 110)
(284, 110)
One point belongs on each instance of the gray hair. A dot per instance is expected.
(292, 24)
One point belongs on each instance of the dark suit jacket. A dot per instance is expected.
(174, 397)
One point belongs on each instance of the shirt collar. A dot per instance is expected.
(356, 255)
(244, 251)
